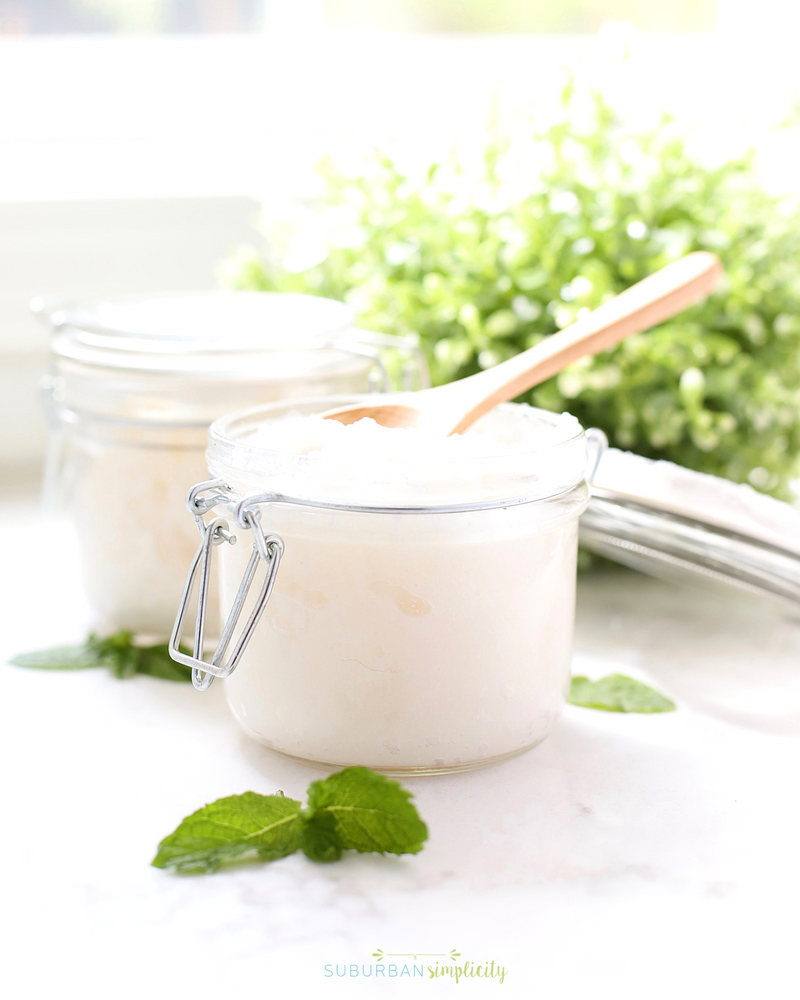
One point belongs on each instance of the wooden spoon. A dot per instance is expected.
(452, 408)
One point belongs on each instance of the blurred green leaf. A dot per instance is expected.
(80, 657)
(617, 693)
(117, 652)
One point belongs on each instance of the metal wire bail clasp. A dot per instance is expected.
(596, 447)
(266, 548)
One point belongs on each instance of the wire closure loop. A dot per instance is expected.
(596, 446)
(266, 548)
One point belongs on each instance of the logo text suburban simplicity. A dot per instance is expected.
(453, 968)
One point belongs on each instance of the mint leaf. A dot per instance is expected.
(355, 809)
(155, 661)
(617, 693)
(321, 839)
(265, 826)
(363, 811)
(117, 652)
(81, 657)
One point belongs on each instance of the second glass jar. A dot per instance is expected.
(135, 384)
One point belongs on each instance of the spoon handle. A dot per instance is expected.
(640, 307)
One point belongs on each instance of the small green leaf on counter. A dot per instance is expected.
(354, 809)
(117, 652)
(80, 657)
(155, 661)
(320, 842)
(265, 826)
(366, 812)
(617, 693)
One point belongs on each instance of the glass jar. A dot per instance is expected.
(414, 619)
(136, 384)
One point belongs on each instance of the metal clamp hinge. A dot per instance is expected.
(266, 548)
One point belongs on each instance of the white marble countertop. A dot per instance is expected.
(627, 856)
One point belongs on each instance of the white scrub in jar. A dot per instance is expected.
(422, 614)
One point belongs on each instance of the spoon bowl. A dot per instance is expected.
(385, 414)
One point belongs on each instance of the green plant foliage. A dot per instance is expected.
(483, 262)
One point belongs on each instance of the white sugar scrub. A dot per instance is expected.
(734, 506)
(367, 463)
(422, 614)
(315, 435)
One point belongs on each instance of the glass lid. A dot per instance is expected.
(207, 321)
(208, 332)
(672, 522)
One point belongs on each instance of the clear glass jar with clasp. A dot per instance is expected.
(416, 619)
(135, 384)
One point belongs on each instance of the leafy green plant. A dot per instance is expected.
(484, 261)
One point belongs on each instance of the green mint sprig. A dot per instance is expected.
(617, 693)
(352, 810)
(116, 652)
